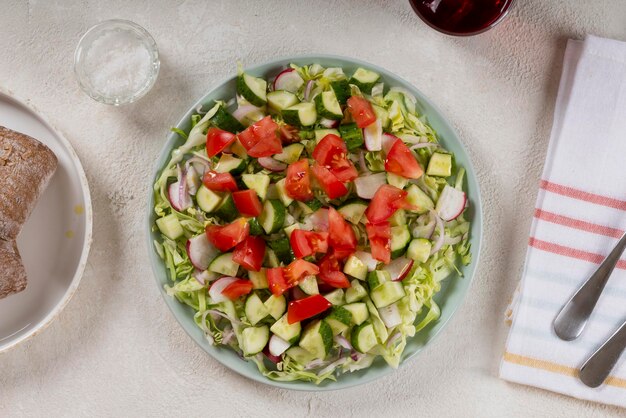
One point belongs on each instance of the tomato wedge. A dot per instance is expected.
(379, 236)
(305, 243)
(341, 235)
(385, 202)
(237, 288)
(306, 308)
(362, 111)
(327, 180)
(227, 236)
(217, 140)
(219, 182)
(261, 139)
(400, 161)
(276, 280)
(249, 253)
(248, 203)
(299, 269)
(332, 153)
(330, 272)
(298, 182)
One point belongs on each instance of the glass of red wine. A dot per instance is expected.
(461, 17)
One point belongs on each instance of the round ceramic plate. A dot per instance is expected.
(55, 241)
(453, 289)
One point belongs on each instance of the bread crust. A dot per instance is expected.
(13, 274)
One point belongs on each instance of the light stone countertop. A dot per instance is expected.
(117, 351)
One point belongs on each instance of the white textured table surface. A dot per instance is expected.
(116, 350)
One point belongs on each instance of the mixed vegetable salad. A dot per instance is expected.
(310, 220)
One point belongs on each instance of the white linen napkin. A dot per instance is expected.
(580, 214)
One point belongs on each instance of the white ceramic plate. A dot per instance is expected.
(55, 241)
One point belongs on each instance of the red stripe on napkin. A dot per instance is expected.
(578, 224)
(571, 252)
(583, 195)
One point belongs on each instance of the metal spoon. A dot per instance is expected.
(572, 318)
(597, 368)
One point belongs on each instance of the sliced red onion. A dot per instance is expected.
(215, 312)
(362, 164)
(315, 363)
(183, 192)
(215, 291)
(394, 337)
(399, 268)
(307, 90)
(319, 220)
(343, 342)
(387, 142)
(373, 136)
(451, 203)
(272, 164)
(173, 193)
(227, 335)
(329, 123)
(441, 237)
(198, 162)
(243, 111)
(424, 231)
(203, 277)
(366, 186)
(332, 365)
(356, 356)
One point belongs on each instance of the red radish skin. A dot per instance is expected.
(399, 268)
(289, 80)
(272, 164)
(451, 203)
(200, 251)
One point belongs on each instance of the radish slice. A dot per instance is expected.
(319, 220)
(243, 111)
(451, 203)
(373, 136)
(289, 80)
(366, 186)
(200, 251)
(271, 164)
(307, 90)
(390, 315)
(387, 142)
(296, 293)
(278, 346)
(270, 357)
(367, 259)
(215, 291)
(204, 277)
(399, 268)
(173, 193)
(329, 123)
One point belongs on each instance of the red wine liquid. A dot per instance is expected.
(461, 16)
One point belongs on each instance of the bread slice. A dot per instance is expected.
(12, 273)
(26, 166)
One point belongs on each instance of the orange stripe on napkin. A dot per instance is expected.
(583, 195)
(571, 252)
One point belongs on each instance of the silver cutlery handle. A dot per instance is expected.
(572, 318)
(598, 367)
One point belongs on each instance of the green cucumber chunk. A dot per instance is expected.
(253, 89)
(254, 339)
(317, 338)
(170, 226)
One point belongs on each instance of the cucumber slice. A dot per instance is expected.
(364, 79)
(419, 250)
(289, 229)
(227, 209)
(285, 330)
(355, 292)
(257, 182)
(341, 89)
(291, 153)
(397, 181)
(317, 339)
(339, 320)
(302, 114)
(419, 198)
(258, 279)
(255, 309)
(170, 226)
(273, 216)
(310, 206)
(390, 315)
(281, 99)
(207, 199)
(398, 218)
(387, 293)
(353, 211)
(230, 164)
(400, 238)
(254, 339)
(253, 89)
(282, 249)
(225, 121)
(440, 165)
(358, 311)
(224, 264)
(321, 133)
(239, 150)
(352, 136)
(327, 105)
(299, 354)
(255, 228)
(282, 192)
(377, 278)
(270, 258)
(335, 297)
(355, 267)
(276, 306)
(364, 338)
(309, 285)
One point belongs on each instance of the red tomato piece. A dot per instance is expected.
(306, 308)
(248, 203)
(237, 288)
(249, 253)
(332, 153)
(298, 181)
(219, 182)
(386, 201)
(362, 111)
(261, 139)
(299, 269)
(305, 243)
(329, 182)
(276, 280)
(289, 134)
(400, 161)
(227, 236)
(341, 235)
(217, 140)
(380, 240)
(330, 272)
